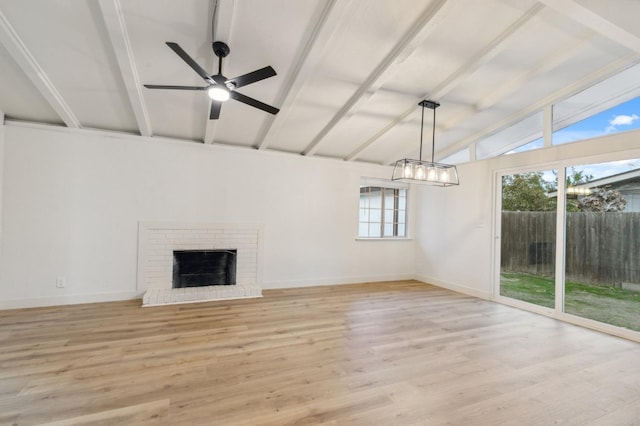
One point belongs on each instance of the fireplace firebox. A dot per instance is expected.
(197, 268)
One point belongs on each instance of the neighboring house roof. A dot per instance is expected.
(624, 182)
(629, 178)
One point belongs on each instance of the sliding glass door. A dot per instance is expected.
(528, 237)
(602, 254)
(597, 228)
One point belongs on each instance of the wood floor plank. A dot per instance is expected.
(149, 413)
(393, 353)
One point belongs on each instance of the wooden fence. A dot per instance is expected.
(602, 248)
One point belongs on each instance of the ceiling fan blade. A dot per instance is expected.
(215, 110)
(193, 64)
(156, 86)
(252, 77)
(254, 103)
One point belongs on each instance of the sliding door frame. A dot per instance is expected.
(558, 311)
(559, 242)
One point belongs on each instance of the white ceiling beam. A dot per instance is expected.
(116, 28)
(222, 12)
(317, 38)
(420, 28)
(28, 64)
(484, 56)
(472, 152)
(547, 126)
(590, 19)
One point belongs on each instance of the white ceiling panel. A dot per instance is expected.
(19, 98)
(377, 112)
(67, 39)
(623, 13)
(401, 141)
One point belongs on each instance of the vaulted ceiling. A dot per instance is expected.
(350, 73)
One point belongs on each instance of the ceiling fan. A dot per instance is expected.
(219, 87)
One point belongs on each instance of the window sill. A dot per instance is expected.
(384, 239)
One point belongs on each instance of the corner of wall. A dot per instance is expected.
(454, 287)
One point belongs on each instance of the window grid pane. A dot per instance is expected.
(374, 229)
(382, 212)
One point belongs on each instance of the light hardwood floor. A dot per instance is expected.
(397, 353)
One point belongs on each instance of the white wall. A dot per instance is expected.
(455, 234)
(73, 200)
(2, 127)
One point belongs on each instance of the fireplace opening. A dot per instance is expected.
(197, 268)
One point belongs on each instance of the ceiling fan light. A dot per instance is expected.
(218, 93)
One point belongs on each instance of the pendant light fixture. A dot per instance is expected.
(426, 172)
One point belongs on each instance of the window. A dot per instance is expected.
(526, 147)
(383, 211)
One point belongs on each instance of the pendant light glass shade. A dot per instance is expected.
(426, 172)
(417, 171)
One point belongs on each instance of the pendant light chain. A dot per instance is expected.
(433, 135)
(422, 131)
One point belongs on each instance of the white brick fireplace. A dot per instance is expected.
(158, 240)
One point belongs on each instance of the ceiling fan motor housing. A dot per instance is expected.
(220, 49)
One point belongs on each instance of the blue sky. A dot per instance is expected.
(621, 118)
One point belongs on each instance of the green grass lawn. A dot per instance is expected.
(606, 304)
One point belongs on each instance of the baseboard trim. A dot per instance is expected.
(454, 287)
(112, 297)
(67, 300)
(334, 281)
